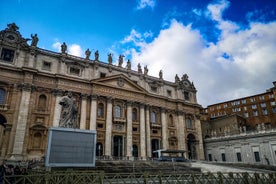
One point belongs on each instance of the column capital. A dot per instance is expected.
(142, 105)
(109, 98)
(26, 87)
(129, 103)
(179, 113)
(94, 97)
(84, 96)
(57, 92)
(163, 109)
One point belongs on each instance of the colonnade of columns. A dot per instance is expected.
(144, 122)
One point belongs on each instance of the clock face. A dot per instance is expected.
(11, 37)
(186, 83)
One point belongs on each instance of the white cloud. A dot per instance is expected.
(241, 63)
(145, 3)
(73, 49)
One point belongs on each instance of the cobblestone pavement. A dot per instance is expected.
(208, 167)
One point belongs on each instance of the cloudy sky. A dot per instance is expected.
(227, 48)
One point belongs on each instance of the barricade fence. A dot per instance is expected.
(89, 177)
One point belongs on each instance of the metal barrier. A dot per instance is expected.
(86, 177)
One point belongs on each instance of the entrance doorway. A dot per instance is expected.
(118, 146)
(155, 145)
(99, 149)
(135, 151)
(3, 120)
(191, 145)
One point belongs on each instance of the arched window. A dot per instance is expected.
(42, 102)
(2, 96)
(153, 117)
(171, 120)
(118, 111)
(189, 123)
(134, 114)
(100, 111)
(37, 140)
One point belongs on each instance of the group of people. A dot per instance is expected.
(11, 170)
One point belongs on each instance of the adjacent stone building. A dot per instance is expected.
(132, 112)
(242, 130)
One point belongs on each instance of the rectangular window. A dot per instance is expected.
(153, 89)
(74, 71)
(257, 156)
(255, 113)
(169, 93)
(102, 75)
(225, 105)
(239, 156)
(264, 112)
(186, 95)
(271, 96)
(210, 157)
(99, 125)
(244, 101)
(254, 106)
(272, 103)
(134, 129)
(246, 115)
(261, 97)
(46, 65)
(245, 108)
(154, 131)
(7, 55)
(263, 104)
(252, 99)
(274, 109)
(223, 157)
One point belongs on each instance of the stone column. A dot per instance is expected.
(148, 132)
(164, 129)
(19, 139)
(108, 128)
(142, 132)
(200, 150)
(129, 130)
(83, 111)
(180, 131)
(57, 111)
(93, 113)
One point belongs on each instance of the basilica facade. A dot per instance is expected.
(133, 113)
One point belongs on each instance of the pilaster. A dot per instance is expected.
(58, 94)
(148, 132)
(83, 111)
(108, 131)
(164, 129)
(129, 129)
(93, 112)
(17, 151)
(142, 132)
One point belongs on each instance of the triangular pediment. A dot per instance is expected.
(119, 81)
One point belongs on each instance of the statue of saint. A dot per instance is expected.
(63, 48)
(177, 79)
(128, 64)
(160, 74)
(97, 55)
(34, 40)
(87, 54)
(110, 58)
(69, 112)
(121, 60)
(146, 70)
(139, 68)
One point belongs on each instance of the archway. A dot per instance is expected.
(99, 149)
(135, 150)
(118, 146)
(191, 145)
(155, 145)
